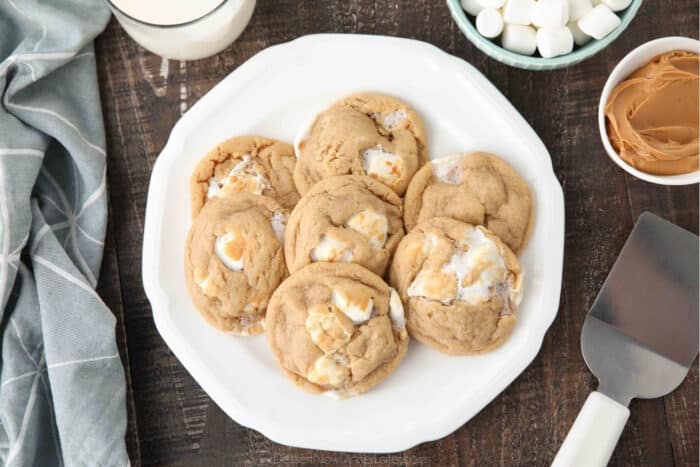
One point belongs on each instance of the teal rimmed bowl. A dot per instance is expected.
(495, 51)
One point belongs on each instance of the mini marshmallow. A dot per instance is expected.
(489, 23)
(519, 39)
(550, 13)
(357, 308)
(552, 42)
(578, 8)
(518, 12)
(617, 5)
(491, 3)
(599, 22)
(580, 37)
(229, 249)
(381, 165)
(473, 7)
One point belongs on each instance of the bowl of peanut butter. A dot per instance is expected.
(648, 114)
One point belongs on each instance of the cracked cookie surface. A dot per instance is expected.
(364, 134)
(461, 286)
(336, 328)
(234, 260)
(477, 188)
(251, 164)
(347, 218)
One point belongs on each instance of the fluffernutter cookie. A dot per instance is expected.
(250, 164)
(364, 134)
(336, 328)
(234, 260)
(347, 218)
(477, 188)
(461, 286)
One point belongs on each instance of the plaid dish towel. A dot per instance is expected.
(62, 388)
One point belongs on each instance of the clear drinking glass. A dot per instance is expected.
(194, 39)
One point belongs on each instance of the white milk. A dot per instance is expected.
(183, 29)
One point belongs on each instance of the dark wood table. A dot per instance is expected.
(172, 421)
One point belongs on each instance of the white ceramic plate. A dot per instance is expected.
(274, 94)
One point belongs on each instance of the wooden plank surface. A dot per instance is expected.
(173, 422)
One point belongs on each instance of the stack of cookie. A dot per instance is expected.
(334, 325)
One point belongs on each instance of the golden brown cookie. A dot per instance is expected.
(336, 328)
(477, 188)
(234, 260)
(347, 218)
(364, 134)
(461, 286)
(251, 164)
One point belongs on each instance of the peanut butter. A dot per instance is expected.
(652, 116)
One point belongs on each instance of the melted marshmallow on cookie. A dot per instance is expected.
(229, 249)
(331, 370)
(447, 169)
(372, 225)
(357, 307)
(384, 166)
(328, 328)
(478, 270)
(394, 119)
(243, 177)
(472, 276)
(331, 249)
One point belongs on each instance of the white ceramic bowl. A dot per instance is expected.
(633, 61)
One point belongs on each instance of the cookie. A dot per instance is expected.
(364, 134)
(234, 260)
(461, 286)
(336, 328)
(347, 218)
(477, 188)
(251, 164)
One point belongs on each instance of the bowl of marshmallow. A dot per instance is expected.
(542, 34)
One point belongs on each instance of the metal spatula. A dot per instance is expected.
(639, 338)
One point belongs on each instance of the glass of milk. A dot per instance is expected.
(183, 29)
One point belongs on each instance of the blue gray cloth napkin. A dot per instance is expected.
(62, 389)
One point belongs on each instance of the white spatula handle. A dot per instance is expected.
(593, 437)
